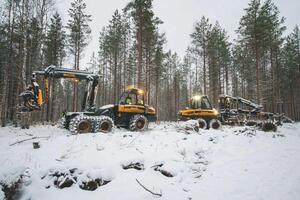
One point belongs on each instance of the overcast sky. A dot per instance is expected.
(179, 17)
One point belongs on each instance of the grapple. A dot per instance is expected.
(28, 102)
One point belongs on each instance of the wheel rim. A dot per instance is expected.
(104, 127)
(84, 127)
(140, 124)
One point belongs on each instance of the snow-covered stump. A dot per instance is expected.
(86, 180)
(160, 168)
(133, 165)
(188, 127)
(11, 190)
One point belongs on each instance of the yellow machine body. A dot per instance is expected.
(200, 107)
(136, 109)
(199, 113)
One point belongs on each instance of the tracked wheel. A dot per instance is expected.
(62, 123)
(81, 124)
(215, 124)
(104, 124)
(138, 123)
(202, 123)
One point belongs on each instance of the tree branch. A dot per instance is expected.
(157, 194)
(18, 142)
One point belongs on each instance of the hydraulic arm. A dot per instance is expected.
(32, 97)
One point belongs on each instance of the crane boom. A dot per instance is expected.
(32, 96)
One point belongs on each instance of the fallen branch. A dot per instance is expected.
(33, 138)
(157, 194)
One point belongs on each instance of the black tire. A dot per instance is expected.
(138, 123)
(104, 124)
(251, 123)
(202, 123)
(215, 124)
(81, 124)
(269, 126)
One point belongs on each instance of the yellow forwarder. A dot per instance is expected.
(201, 109)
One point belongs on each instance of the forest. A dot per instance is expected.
(262, 64)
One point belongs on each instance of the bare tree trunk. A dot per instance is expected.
(156, 94)
(140, 51)
(24, 20)
(257, 75)
(226, 79)
(204, 67)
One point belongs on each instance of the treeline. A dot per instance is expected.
(262, 64)
(33, 38)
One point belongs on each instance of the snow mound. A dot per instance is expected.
(107, 106)
(188, 127)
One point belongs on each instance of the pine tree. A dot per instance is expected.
(114, 53)
(145, 26)
(273, 28)
(251, 30)
(54, 52)
(78, 38)
(218, 51)
(291, 74)
(55, 42)
(200, 37)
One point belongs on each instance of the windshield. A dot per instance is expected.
(202, 103)
(123, 98)
(132, 98)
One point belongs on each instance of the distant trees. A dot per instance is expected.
(199, 48)
(260, 65)
(142, 15)
(78, 37)
(290, 74)
(131, 52)
(260, 35)
(210, 55)
(219, 60)
(115, 54)
(23, 25)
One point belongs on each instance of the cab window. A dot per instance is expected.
(131, 99)
(140, 99)
(205, 103)
(123, 98)
(195, 104)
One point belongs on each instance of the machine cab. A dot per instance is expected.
(132, 96)
(200, 102)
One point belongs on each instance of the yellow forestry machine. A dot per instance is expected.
(131, 112)
(232, 111)
(200, 109)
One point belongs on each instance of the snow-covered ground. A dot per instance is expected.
(232, 163)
